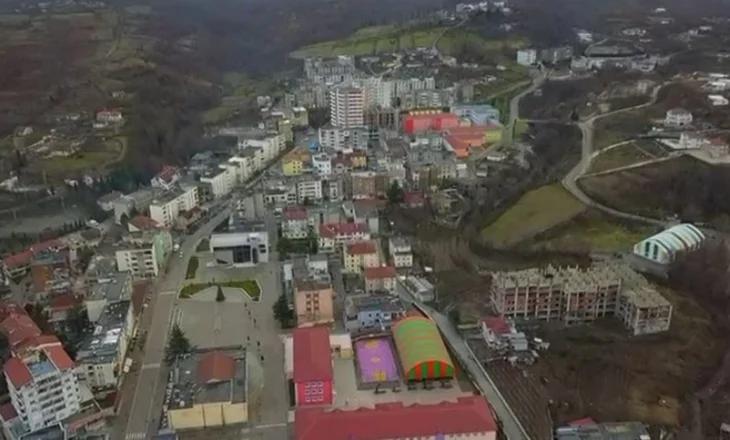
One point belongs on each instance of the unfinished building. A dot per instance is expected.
(575, 295)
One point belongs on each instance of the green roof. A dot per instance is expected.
(419, 345)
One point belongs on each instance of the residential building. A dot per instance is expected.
(368, 184)
(312, 96)
(101, 269)
(139, 201)
(144, 257)
(313, 374)
(330, 71)
(379, 279)
(341, 139)
(678, 117)
(309, 190)
(166, 209)
(360, 255)
(555, 55)
(295, 161)
(295, 223)
(347, 104)
(219, 182)
(333, 235)
(50, 272)
(106, 202)
(244, 244)
(100, 358)
(17, 265)
(368, 211)
(334, 189)
(573, 295)
(313, 303)
(270, 144)
(379, 117)
(468, 417)
(166, 178)
(401, 253)
(527, 57)
(378, 92)
(247, 162)
(372, 311)
(142, 223)
(281, 195)
(664, 247)
(114, 287)
(419, 288)
(213, 388)
(322, 165)
(403, 86)
(109, 116)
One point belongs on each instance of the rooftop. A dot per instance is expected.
(101, 347)
(22, 371)
(208, 376)
(362, 247)
(170, 195)
(100, 267)
(112, 288)
(377, 302)
(379, 273)
(312, 357)
(144, 223)
(332, 230)
(603, 431)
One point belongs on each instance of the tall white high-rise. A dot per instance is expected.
(347, 104)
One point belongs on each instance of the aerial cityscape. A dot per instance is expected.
(340, 220)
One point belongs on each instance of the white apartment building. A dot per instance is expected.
(678, 117)
(221, 181)
(338, 138)
(378, 93)
(42, 385)
(141, 261)
(167, 209)
(403, 86)
(322, 164)
(272, 144)
(295, 223)
(400, 252)
(333, 235)
(347, 105)
(245, 163)
(527, 57)
(309, 189)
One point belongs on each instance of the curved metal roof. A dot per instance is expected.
(418, 340)
(678, 238)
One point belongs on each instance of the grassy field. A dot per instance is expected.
(107, 153)
(535, 212)
(592, 231)
(239, 89)
(620, 156)
(251, 287)
(387, 39)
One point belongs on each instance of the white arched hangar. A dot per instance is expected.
(664, 246)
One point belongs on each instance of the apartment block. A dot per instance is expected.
(400, 252)
(144, 257)
(270, 143)
(309, 189)
(166, 209)
(379, 279)
(360, 255)
(574, 295)
(220, 182)
(347, 106)
(295, 223)
(332, 236)
(313, 303)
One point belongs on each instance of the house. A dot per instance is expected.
(106, 202)
(313, 302)
(166, 178)
(401, 254)
(678, 117)
(494, 328)
(166, 209)
(294, 162)
(359, 255)
(142, 223)
(379, 279)
(295, 223)
(468, 417)
(333, 235)
(717, 100)
(109, 116)
(413, 199)
(368, 311)
(313, 375)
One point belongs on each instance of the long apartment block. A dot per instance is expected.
(576, 295)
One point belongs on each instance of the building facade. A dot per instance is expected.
(347, 105)
(360, 255)
(168, 208)
(313, 303)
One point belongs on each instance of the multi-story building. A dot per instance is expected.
(573, 295)
(378, 93)
(368, 184)
(334, 189)
(144, 257)
(347, 104)
(246, 163)
(100, 358)
(378, 117)
(313, 372)
(360, 255)
(281, 195)
(330, 71)
(294, 162)
(313, 303)
(114, 287)
(244, 244)
(403, 86)
(139, 200)
(372, 311)
(166, 209)
(678, 117)
(333, 235)
(166, 178)
(312, 96)
(309, 190)
(295, 223)
(379, 279)
(50, 272)
(527, 57)
(271, 143)
(220, 182)
(322, 165)
(340, 139)
(401, 253)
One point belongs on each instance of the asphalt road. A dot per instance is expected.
(143, 417)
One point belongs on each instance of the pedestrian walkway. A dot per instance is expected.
(135, 436)
(150, 366)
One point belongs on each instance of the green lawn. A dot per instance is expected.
(251, 287)
(617, 157)
(203, 246)
(535, 212)
(192, 269)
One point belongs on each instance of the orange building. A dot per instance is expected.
(313, 303)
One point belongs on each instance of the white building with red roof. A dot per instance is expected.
(379, 279)
(166, 178)
(333, 235)
(295, 223)
(467, 418)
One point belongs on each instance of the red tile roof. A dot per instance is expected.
(25, 257)
(312, 357)
(59, 357)
(413, 199)
(168, 173)
(7, 412)
(468, 415)
(362, 247)
(216, 366)
(497, 324)
(36, 342)
(65, 301)
(18, 328)
(295, 213)
(17, 372)
(378, 273)
(583, 421)
(144, 223)
(332, 230)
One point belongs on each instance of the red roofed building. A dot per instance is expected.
(17, 265)
(313, 373)
(333, 235)
(378, 279)
(360, 255)
(19, 328)
(142, 223)
(166, 178)
(428, 121)
(494, 328)
(295, 224)
(216, 366)
(468, 417)
(413, 199)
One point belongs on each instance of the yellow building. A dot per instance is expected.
(360, 255)
(294, 162)
(493, 135)
(213, 388)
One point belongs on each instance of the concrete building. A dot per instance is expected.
(322, 164)
(330, 71)
(309, 190)
(144, 257)
(332, 236)
(678, 117)
(664, 247)
(270, 143)
(245, 244)
(419, 288)
(372, 311)
(527, 57)
(294, 163)
(213, 389)
(572, 295)
(401, 253)
(313, 303)
(220, 182)
(295, 223)
(477, 114)
(379, 279)
(166, 209)
(347, 104)
(368, 184)
(100, 358)
(343, 139)
(115, 287)
(313, 372)
(360, 255)
(166, 178)
(139, 200)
